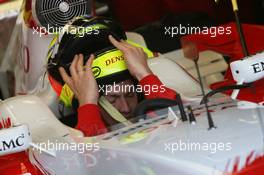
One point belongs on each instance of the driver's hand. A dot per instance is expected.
(135, 57)
(82, 81)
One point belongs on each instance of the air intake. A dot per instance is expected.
(56, 13)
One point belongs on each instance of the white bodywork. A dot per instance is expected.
(155, 150)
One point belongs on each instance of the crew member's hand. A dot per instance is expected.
(82, 81)
(135, 57)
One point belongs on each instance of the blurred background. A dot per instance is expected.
(149, 17)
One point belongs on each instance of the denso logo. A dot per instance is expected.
(114, 60)
(12, 144)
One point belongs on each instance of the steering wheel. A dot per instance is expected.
(153, 104)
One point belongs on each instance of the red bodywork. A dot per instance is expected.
(253, 166)
(17, 164)
(230, 45)
(2, 1)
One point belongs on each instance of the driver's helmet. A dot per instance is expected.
(85, 35)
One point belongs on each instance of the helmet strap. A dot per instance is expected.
(113, 112)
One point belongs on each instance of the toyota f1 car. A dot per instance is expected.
(181, 139)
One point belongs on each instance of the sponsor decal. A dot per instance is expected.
(258, 67)
(12, 143)
(114, 60)
(96, 71)
(5, 123)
